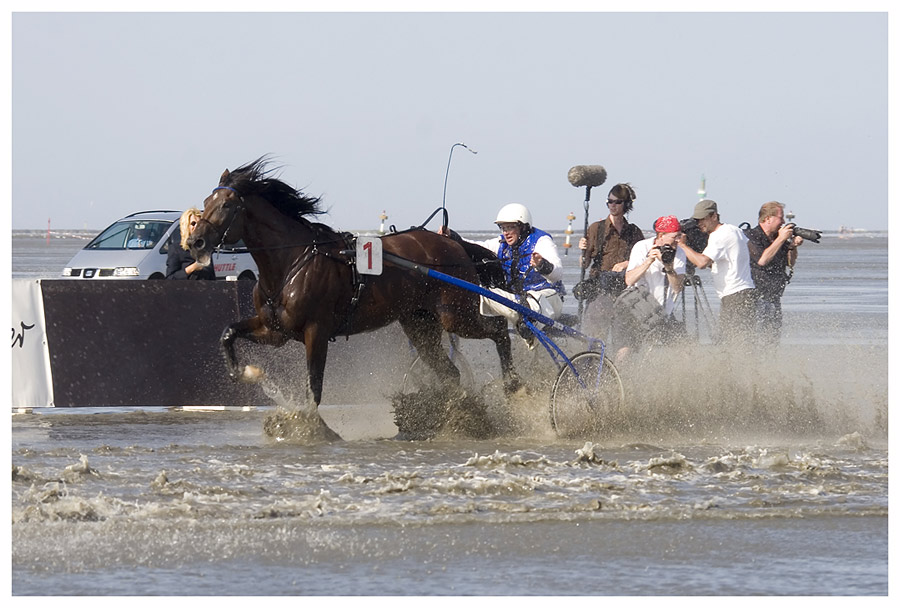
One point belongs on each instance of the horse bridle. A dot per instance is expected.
(234, 213)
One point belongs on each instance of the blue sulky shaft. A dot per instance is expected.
(446, 278)
(529, 315)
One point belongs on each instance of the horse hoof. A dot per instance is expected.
(252, 374)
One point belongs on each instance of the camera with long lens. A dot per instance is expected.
(695, 238)
(806, 233)
(667, 254)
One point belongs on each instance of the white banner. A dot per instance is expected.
(32, 382)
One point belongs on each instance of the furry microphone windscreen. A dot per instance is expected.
(587, 175)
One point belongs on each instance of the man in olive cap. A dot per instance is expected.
(727, 256)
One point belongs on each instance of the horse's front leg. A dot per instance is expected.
(316, 343)
(255, 331)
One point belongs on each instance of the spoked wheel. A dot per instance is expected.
(582, 399)
(419, 376)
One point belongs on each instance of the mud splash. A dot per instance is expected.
(292, 422)
(430, 413)
(298, 426)
(685, 392)
(691, 392)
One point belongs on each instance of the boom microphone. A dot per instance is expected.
(590, 176)
(587, 175)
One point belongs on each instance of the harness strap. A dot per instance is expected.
(358, 285)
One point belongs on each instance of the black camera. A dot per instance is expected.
(695, 238)
(667, 254)
(806, 234)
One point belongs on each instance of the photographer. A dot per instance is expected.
(656, 267)
(773, 248)
(727, 254)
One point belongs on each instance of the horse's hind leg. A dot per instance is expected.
(500, 337)
(424, 331)
(493, 328)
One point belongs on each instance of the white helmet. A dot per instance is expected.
(513, 212)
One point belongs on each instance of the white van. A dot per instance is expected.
(136, 247)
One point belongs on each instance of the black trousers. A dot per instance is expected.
(737, 317)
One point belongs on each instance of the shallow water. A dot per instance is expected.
(172, 502)
(720, 478)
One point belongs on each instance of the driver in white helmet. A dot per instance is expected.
(532, 264)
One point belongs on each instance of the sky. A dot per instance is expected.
(114, 113)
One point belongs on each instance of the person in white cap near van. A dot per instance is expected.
(532, 265)
(728, 257)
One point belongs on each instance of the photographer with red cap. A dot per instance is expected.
(655, 277)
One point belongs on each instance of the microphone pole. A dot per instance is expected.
(446, 175)
(587, 205)
(588, 176)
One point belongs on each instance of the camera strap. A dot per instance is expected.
(788, 270)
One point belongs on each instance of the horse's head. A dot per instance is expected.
(222, 221)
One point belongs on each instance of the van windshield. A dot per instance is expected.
(131, 234)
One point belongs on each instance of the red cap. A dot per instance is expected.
(667, 223)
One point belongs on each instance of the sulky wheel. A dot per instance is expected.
(582, 398)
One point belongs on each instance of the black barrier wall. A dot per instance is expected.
(144, 343)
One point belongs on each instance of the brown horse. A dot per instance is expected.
(309, 290)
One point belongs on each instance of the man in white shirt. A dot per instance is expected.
(728, 257)
(656, 267)
(657, 264)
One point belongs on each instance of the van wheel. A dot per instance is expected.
(246, 276)
(156, 276)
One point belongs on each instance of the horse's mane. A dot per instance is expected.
(256, 178)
